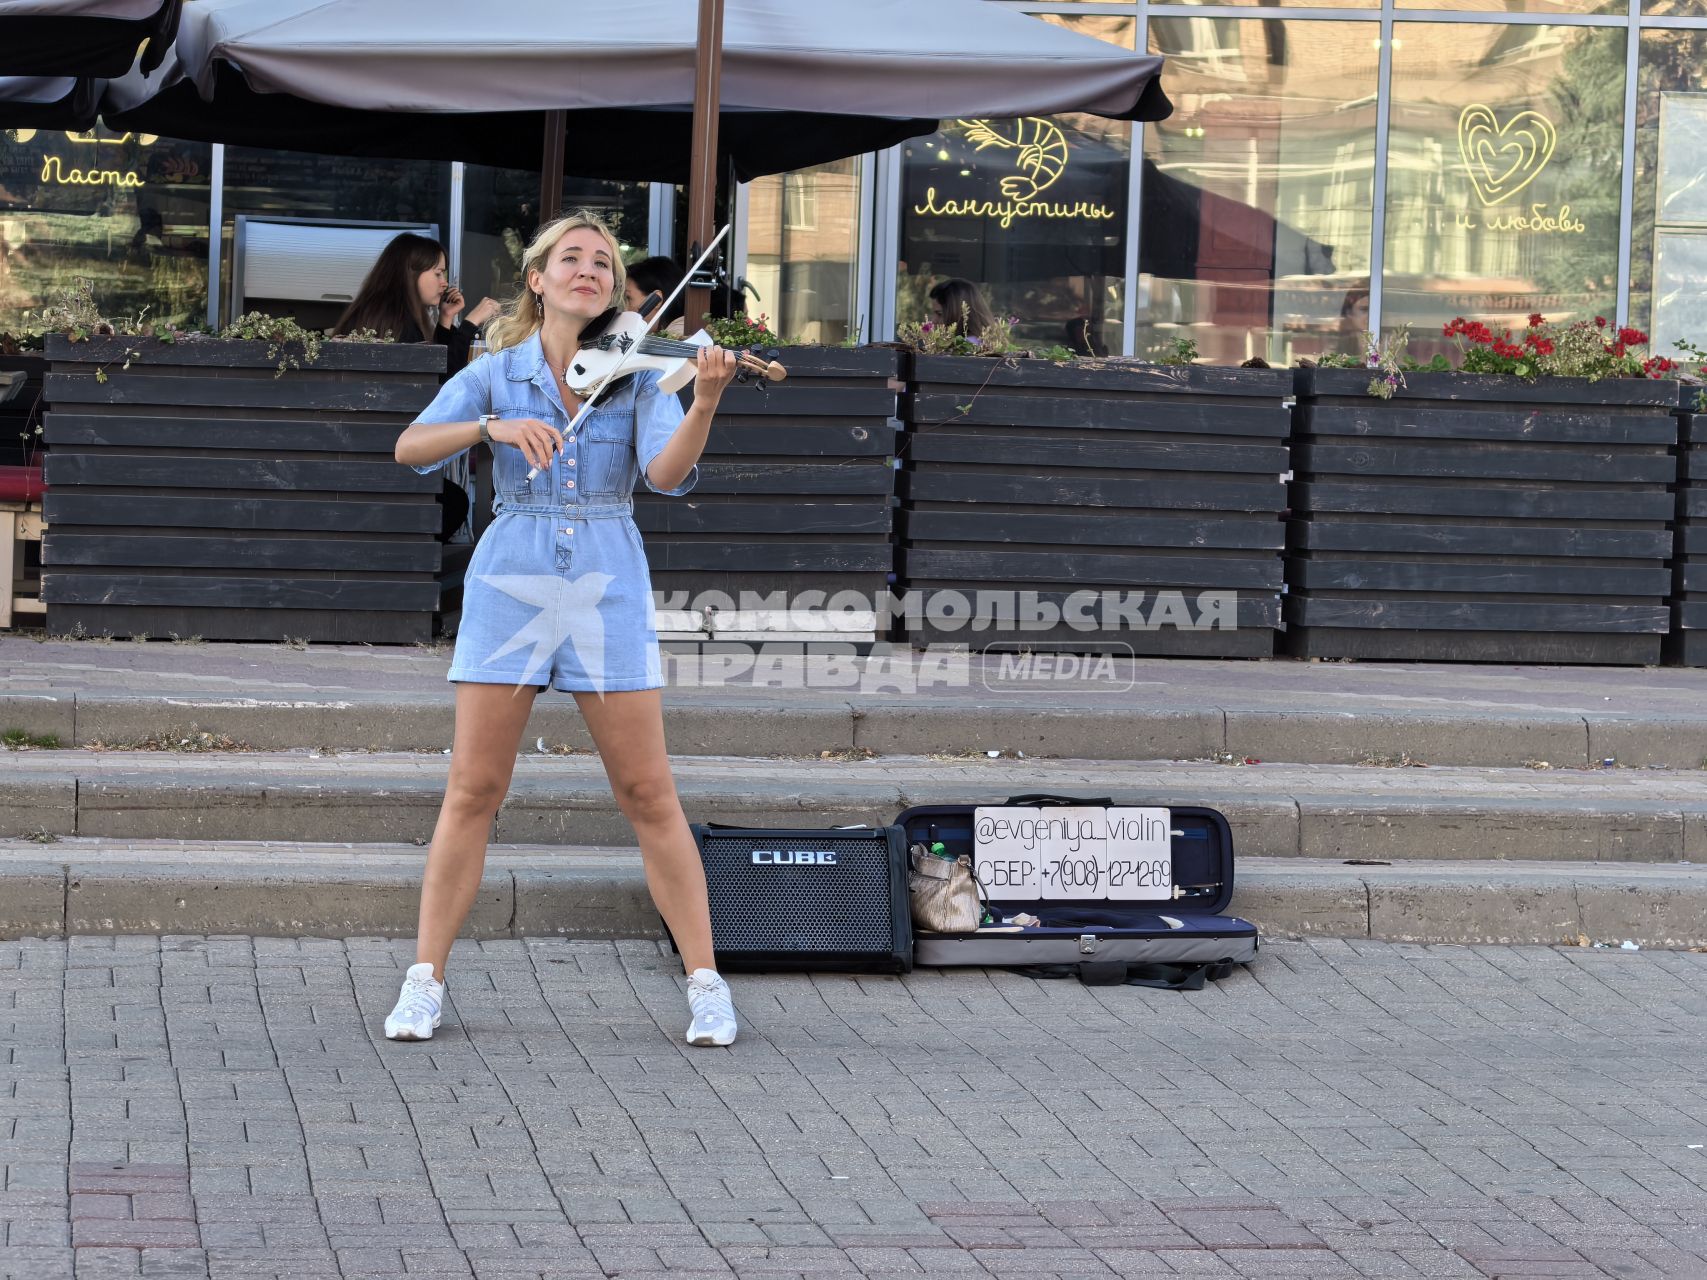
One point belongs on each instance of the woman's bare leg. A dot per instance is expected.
(628, 729)
(490, 719)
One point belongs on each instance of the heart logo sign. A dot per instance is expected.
(1502, 159)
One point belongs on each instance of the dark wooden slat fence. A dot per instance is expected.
(1095, 484)
(197, 493)
(1480, 518)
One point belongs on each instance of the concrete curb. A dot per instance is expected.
(720, 722)
(1277, 811)
(93, 887)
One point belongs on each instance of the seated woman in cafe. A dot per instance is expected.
(960, 303)
(656, 275)
(394, 300)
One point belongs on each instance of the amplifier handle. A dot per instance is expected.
(1045, 799)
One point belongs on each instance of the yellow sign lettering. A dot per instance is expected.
(53, 170)
(1040, 155)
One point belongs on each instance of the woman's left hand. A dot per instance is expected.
(450, 307)
(716, 371)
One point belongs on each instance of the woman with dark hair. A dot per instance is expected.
(409, 278)
(660, 275)
(960, 303)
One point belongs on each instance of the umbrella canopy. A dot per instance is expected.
(48, 102)
(443, 79)
(96, 38)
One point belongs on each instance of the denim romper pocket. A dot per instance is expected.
(607, 452)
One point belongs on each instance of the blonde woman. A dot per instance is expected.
(558, 594)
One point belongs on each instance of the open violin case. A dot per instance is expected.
(1119, 894)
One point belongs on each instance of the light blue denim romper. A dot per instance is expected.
(558, 590)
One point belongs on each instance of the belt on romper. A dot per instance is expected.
(571, 511)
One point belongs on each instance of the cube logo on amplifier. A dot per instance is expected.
(805, 899)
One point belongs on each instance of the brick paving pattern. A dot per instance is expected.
(224, 1107)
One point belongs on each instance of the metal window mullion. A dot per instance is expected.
(886, 243)
(1378, 196)
(864, 258)
(1474, 16)
(216, 231)
(1627, 193)
(1134, 214)
(661, 219)
(458, 218)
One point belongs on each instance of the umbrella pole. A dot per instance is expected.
(702, 177)
(551, 165)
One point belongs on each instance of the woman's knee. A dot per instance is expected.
(476, 794)
(648, 801)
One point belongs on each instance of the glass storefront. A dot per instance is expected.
(1258, 193)
(1331, 165)
(126, 212)
(1504, 173)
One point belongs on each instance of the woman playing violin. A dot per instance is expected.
(558, 595)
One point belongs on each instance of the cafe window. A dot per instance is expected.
(297, 185)
(803, 251)
(127, 212)
(1257, 193)
(1668, 225)
(1032, 211)
(501, 215)
(1503, 175)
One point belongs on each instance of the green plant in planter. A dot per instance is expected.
(932, 339)
(1178, 351)
(279, 333)
(740, 331)
(1593, 350)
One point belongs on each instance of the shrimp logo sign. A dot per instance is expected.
(1038, 151)
(1503, 159)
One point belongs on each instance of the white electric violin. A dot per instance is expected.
(628, 345)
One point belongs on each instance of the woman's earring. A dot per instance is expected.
(539, 304)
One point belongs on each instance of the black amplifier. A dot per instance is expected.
(798, 899)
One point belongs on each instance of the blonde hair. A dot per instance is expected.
(523, 317)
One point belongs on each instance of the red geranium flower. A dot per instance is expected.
(1534, 319)
(1632, 337)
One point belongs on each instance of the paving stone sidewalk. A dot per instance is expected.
(221, 1107)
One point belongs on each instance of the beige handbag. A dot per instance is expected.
(946, 895)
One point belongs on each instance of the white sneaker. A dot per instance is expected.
(418, 1005)
(713, 1010)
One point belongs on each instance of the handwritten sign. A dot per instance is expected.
(1074, 854)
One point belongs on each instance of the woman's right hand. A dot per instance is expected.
(537, 440)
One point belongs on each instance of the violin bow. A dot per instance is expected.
(657, 314)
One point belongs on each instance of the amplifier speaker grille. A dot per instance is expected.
(788, 906)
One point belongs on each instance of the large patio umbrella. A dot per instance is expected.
(661, 90)
(94, 38)
(48, 102)
(447, 79)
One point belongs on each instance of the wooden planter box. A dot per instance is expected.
(1481, 518)
(18, 412)
(1029, 476)
(197, 493)
(795, 495)
(1686, 646)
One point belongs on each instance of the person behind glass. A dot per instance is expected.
(960, 303)
(394, 300)
(657, 275)
(1354, 319)
(558, 594)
